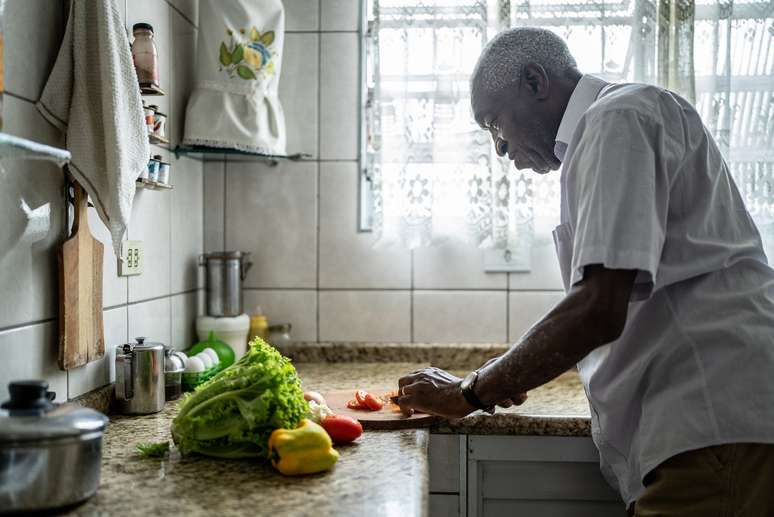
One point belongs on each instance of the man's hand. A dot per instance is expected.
(433, 391)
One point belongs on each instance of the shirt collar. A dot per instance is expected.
(583, 96)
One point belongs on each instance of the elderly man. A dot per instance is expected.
(669, 303)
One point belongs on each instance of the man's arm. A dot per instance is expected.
(591, 315)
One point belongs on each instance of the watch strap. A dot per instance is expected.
(467, 391)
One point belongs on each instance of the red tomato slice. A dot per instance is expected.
(373, 403)
(354, 404)
(360, 396)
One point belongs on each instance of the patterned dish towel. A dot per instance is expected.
(234, 103)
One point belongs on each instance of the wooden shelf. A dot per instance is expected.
(157, 139)
(151, 90)
(153, 185)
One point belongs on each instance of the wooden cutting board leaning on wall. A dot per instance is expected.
(81, 337)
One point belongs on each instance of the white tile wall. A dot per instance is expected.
(151, 214)
(340, 15)
(365, 316)
(527, 308)
(460, 316)
(151, 320)
(339, 91)
(33, 32)
(544, 273)
(182, 70)
(301, 15)
(30, 294)
(30, 290)
(189, 8)
(272, 213)
(454, 265)
(114, 287)
(347, 258)
(297, 307)
(187, 221)
(298, 92)
(31, 353)
(101, 372)
(214, 190)
(184, 308)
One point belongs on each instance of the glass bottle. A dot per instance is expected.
(145, 56)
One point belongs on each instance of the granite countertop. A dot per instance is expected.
(383, 473)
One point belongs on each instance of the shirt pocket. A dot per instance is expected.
(563, 244)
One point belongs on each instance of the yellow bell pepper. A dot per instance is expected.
(304, 450)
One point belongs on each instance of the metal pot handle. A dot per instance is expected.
(124, 377)
(245, 265)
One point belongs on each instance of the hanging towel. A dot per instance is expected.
(93, 96)
(234, 103)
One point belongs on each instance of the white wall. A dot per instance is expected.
(299, 220)
(161, 303)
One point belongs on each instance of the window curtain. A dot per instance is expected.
(434, 173)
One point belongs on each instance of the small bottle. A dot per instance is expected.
(259, 325)
(280, 334)
(145, 56)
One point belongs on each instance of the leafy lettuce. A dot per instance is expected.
(233, 414)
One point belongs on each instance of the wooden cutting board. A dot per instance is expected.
(388, 418)
(80, 292)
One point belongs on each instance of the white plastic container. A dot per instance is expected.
(232, 330)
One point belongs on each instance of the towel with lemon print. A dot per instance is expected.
(234, 103)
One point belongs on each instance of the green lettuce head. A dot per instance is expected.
(233, 414)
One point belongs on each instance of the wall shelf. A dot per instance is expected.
(157, 139)
(21, 148)
(152, 185)
(202, 152)
(151, 90)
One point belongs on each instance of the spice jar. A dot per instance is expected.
(144, 55)
(153, 168)
(149, 112)
(159, 123)
(163, 172)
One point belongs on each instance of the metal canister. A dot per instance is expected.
(226, 270)
(140, 377)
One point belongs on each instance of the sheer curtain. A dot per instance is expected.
(435, 175)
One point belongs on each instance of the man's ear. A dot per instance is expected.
(536, 80)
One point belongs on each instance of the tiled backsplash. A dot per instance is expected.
(312, 267)
(299, 220)
(162, 302)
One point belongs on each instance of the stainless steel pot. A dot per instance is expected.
(50, 454)
(226, 270)
(139, 377)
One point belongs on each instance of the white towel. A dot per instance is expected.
(235, 103)
(93, 96)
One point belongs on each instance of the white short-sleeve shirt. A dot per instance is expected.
(644, 187)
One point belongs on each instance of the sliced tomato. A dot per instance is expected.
(360, 396)
(372, 402)
(354, 404)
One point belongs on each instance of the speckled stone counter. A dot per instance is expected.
(384, 473)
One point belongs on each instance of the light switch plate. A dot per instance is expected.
(505, 261)
(132, 258)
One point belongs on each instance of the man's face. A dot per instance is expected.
(521, 128)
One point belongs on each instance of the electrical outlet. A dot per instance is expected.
(505, 261)
(131, 260)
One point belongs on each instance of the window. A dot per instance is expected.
(433, 172)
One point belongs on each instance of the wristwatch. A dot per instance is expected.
(467, 385)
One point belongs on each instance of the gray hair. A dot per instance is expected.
(504, 57)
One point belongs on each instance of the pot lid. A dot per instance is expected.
(29, 416)
(140, 344)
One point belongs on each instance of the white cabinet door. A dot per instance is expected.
(543, 476)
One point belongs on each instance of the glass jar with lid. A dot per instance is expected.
(145, 56)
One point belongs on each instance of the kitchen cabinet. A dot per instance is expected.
(491, 476)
